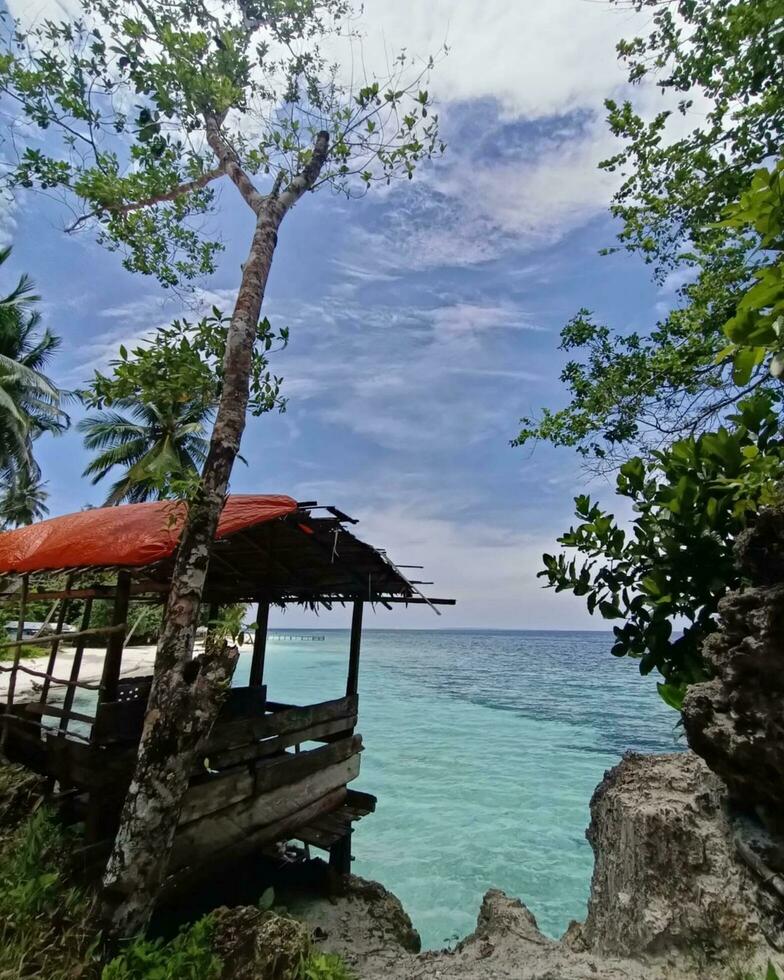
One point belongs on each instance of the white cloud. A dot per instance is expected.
(536, 58)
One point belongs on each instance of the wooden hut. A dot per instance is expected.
(268, 771)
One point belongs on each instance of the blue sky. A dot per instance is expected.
(424, 321)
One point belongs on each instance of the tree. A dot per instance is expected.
(676, 560)
(23, 502)
(146, 104)
(718, 61)
(30, 403)
(158, 446)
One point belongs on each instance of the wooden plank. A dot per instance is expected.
(114, 648)
(20, 625)
(223, 758)
(229, 826)
(76, 666)
(122, 721)
(60, 681)
(361, 801)
(207, 860)
(247, 730)
(227, 788)
(62, 613)
(94, 631)
(96, 592)
(53, 711)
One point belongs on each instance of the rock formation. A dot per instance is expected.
(667, 874)
(735, 721)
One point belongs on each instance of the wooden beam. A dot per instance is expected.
(352, 683)
(63, 612)
(114, 649)
(93, 631)
(20, 625)
(76, 665)
(259, 646)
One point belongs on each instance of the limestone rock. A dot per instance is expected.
(736, 720)
(666, 873)
(256, 945)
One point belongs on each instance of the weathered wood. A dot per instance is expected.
(259, 645)
(122, 720)
(55, 643)
(183, 879)
(19, 641)
(246, 730)
(96, 592)
(59, 681)
(65, 713)
(340, 854)
(352, 683)
(228, 826)
(222, 759)
(225, 789)
(76, 665)
(93, 631)
(361, 801)
(114, 648)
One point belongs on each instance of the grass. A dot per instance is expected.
(27, 652)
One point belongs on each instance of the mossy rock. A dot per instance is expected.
(256, 945)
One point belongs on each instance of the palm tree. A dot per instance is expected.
(23, 502)
(156, 444)
(29, 401)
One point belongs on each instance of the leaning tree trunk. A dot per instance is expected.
(186, 694)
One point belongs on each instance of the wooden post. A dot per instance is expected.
(353, 658)
(77, 664)
(61, 615)
(20, 625)
(114, 648)
(259, 646)
(340, 855)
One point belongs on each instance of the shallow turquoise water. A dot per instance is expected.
(484, 749)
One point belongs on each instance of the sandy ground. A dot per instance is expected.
(136, 661)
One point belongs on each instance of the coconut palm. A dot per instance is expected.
(154, 444)
(30, 403)
(23, 502)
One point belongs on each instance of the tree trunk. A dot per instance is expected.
(186, 694)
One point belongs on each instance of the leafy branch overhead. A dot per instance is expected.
(147, 108)
(184, 363)
(675, 562)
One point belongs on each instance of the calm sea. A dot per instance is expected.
(484, 748)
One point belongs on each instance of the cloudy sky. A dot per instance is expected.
(424, 322)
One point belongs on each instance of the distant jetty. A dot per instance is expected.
(296, 636)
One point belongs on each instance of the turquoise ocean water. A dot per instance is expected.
(484, 748)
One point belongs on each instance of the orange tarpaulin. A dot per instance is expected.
(132, 535)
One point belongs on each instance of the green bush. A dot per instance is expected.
(325, 966)
(46, 926)
(676, 561)
(187, 957)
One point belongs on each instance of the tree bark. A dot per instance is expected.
(186, 694)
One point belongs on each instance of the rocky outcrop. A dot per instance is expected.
(735, 721)
(667, 875)
(256, 945)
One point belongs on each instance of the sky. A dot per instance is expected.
(424, 321)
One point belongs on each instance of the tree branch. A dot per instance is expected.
(181, 189)
(230, 165)
(305, 180)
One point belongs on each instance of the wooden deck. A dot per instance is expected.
(268, 772)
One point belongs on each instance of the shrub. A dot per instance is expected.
(187, 957)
